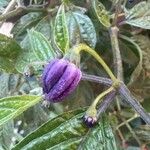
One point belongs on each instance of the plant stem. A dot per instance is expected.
(121, 136)
(131, 130)
(125, 93)
(119, 69)
(100, 96)
(127, 121)
(116, 57)
(105, 103)
(10, 6)
(116, 52)
(20, 11)
(86, 48)
(97, 79)
(92, 109)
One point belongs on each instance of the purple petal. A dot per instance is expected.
(45, 72)
(72, 86)
(63, 84)
(55, 73)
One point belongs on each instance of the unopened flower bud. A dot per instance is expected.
(90, 121)
(60, 77)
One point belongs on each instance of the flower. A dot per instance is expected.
(60, 77)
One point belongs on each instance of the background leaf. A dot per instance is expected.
(61, 35)
(40, 46)
(139, 15)
(138, 69)
(38, 50)
(73, 29)
(6, 135)
(46, 31)
(3, 3)
(11, 107)
(81, 29)
(143, 132)
(25, 22)
(66, 132)
(101, 13)
(9, 51)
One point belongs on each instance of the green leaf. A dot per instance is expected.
(139, 15)
(3, 3)
(44, 27)
(26, 22)
(9, 51)
(35, 52)
(26, 57)
(73, 29)
(143, 22)
(40, 46)
(143, 132)
(138, 69)
(67, 131)
(10, 107)
(101, 13)
(61, 35)
(4, 86)
(81, 29)
(99, 138)
(6, 135)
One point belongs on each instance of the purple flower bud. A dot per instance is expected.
(90, 121)
(60, 78)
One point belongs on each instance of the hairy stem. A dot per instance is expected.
(105, 103)
(97, 79)
(92, 109)
(20, 11)
(125, 93)
(100, 96)
(116, 52)
(10, 6)
(116, 57)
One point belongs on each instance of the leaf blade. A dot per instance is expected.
(83, 29)
(101, 13)
(61, 35)
(40, 46)
(65, 131)
(10, 107)
(135, 74)
(9, 51)
(139, 15)
(101, 134)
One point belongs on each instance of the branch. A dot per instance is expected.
(116, 52)
(20, 11)
(97, 79)
(105, 103)
(125, 93)
(116, 57)
(10, 6)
